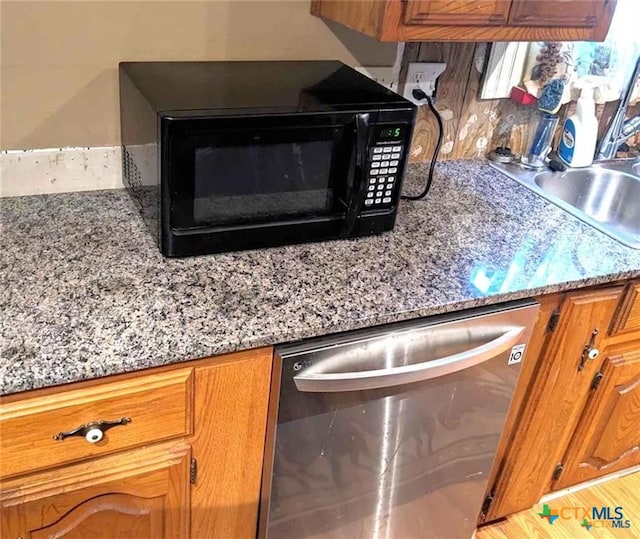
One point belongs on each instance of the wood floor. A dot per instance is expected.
(621, 492)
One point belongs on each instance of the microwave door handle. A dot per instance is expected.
(316, 379)
(359, 186)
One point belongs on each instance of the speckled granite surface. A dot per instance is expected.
(85, 292)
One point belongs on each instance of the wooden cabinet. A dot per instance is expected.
(580, 416)
(607, 438)
(141, 494)
(230, 424)
(186, 463)
(472, 20)
(560, 13)
(456, 12)
(628, 318)
(556, 394)
(33, 427)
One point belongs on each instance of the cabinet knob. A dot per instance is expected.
(94, 435)
(589, 351)
(92, 432)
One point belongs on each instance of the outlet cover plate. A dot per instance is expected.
(422, 75)
(382, 75)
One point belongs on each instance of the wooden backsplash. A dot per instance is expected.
(474, 127)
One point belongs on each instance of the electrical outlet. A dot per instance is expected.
(422, 76)
(382, 75)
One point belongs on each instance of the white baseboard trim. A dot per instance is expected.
(59, 170)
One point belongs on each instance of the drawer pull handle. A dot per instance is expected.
(92, 432)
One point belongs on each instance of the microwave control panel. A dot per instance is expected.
(383, 174)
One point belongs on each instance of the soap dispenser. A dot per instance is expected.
(580, 132)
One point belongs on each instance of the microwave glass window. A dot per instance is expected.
(248, 183)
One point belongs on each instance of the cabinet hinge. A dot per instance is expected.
(553, 321)
(557, 472)
(193, 471)
(595, 383)
(486, 505)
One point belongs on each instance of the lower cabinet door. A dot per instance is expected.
(555, 399)
(607, 438)
(141, 494)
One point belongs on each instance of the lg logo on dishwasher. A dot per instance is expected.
(516, 354)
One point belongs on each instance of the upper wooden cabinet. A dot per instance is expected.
(472, 20)
(456, 12)
(562, 13)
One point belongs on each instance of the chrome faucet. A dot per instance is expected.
(620, 130)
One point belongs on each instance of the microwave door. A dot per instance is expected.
(359, 184)
(258, 181)
(261, 175)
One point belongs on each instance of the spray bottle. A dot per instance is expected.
(580, 131)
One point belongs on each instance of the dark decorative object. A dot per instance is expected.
(549, 59)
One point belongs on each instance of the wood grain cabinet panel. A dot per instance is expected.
(141, 494)
(563, 13)
(456, 12)
(203, 428)
(472, 20)
(628, 317)
(526, 381)
(607, 438)
(555, 400)
(229, 442)
(159, 406)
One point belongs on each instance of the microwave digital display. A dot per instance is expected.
(390, 133)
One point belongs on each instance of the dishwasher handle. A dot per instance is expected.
(316, 381)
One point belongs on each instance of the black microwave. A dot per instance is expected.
(222, 156)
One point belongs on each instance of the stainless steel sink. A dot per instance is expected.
(605, 195)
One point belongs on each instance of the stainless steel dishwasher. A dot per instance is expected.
(390, 433)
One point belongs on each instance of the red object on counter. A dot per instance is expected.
(522, 96)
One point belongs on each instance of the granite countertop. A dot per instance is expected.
(86, 293)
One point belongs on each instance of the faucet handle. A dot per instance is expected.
(630, 127)
(555, 164)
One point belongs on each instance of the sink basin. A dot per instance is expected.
(610, 197)
(606, 195)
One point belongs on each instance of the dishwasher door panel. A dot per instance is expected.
(400, 462)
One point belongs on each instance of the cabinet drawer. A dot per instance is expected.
(154, 407)
(627, 319)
